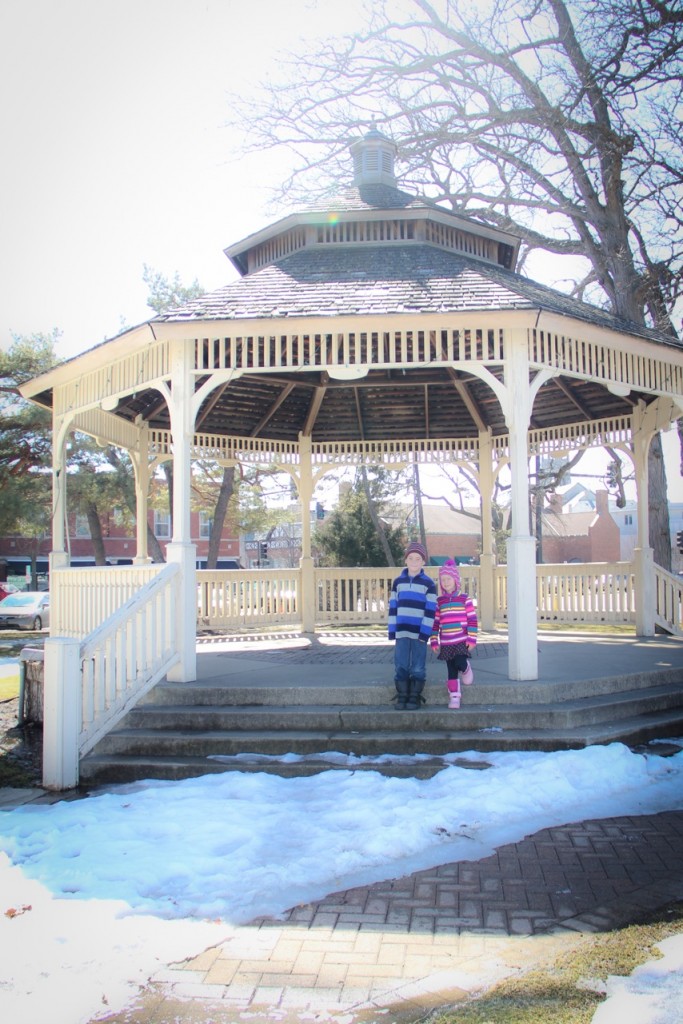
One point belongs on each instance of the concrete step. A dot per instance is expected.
(185, 729)
(174, 758)
(372, 694)
(334, 718)
(412, 734)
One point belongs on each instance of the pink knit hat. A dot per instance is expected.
(449, 568)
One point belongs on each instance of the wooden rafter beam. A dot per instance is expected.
(470, 403)
(313, 410)
(568, 392)
(286, 391)
(210, 405)
(358, 413)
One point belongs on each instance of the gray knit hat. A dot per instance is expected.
(418, 549)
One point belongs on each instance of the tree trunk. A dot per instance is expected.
(418, 504)
(220, 512)
(155, 549)
(168, 473)
(660, 533)
(35, 544)
(95, 527)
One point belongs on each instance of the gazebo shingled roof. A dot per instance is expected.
(375, 251)
(379, 280)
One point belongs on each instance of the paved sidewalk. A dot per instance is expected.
(397, 949)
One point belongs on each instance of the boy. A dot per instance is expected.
(411, 616)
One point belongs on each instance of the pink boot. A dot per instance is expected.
(467, 676)
(453, 694)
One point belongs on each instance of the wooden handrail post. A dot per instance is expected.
(61, 713)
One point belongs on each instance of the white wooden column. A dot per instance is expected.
(140, 460)
(306, 563)
(486, 604)
(643, 554)
(521, 546)
(59, 554)
(181, 549)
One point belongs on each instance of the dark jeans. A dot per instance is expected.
(410, 659)
(457, 664)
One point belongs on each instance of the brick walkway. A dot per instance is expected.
(412, 944)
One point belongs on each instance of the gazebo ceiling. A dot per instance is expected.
(386, 404)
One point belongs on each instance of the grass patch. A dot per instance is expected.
(564, 992)
(12, 774)
(607, 628)
(9, 687)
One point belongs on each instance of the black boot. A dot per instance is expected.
(402, 691)
(415, 698)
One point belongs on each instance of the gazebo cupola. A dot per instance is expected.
(373, 160)
(373, 211)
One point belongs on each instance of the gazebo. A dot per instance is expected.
(376, 327)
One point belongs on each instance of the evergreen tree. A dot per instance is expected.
(349, 535)
(25, 444)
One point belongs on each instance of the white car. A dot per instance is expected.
(26, 609)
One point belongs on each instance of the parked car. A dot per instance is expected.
(25, 610)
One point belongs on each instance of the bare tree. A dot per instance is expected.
(557, 120)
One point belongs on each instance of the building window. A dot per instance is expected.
(162, 524)
(205, 524)
(82, 527)
(628, 520)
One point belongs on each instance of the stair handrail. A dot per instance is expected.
(668, 601)
(91, 684)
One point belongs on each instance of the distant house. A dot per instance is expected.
(449, 534)
(627, 521)
(591, 536)
(118, 537)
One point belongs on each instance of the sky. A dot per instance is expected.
(95, 910)
(116, 152)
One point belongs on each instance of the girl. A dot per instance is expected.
(455, 631)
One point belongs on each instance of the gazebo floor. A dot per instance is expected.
(296, 705)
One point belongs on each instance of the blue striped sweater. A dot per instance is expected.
(411, 607)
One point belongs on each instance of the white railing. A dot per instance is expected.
(596, 592)
(91, 684)
(345, 596)
(81, 599)
(600, 592)
(230, 599)
(361, 596)
(235, 598)
(668, 601)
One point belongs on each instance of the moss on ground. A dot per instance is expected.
(16, 775)
(569, 990)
